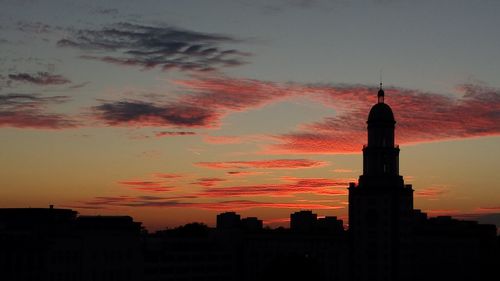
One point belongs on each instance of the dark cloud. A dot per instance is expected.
(208, 182)
(34, 27)
(244, 173)
(151, 114)
(152, 46)
(106, 11)
(30, 111)
(78, 86)
(40, 78)
(173, 134)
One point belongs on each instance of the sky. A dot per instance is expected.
(175, 111)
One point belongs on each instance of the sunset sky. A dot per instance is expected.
(174, 111)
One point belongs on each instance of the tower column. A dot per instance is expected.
(380, 203)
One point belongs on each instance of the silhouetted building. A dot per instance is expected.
(283, 254)
(56, 244)
(446, 248)
(190, 252)
(251, 224)
(380, 205)
(228, 220)
(111, 248)
(303, 221)
(329, 224)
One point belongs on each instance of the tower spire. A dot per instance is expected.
(380, 94)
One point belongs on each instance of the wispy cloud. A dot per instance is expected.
(342, 171)
(150, 46)
(244, 173)
(34, 27)
(288, 187)
(167, 175)
(432, 192)
(30, 111)
(490, 209)
(179, 202)
(40, 78)
(151, 186)
(208, 182)
(173, 134)
(222, 139)
(264, 164)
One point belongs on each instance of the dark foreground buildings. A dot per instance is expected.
(56, 244)
(387, 239)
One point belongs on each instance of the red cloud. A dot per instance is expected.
(35, 120)
(249, 204)
(225, 93)
(209, 100)
(152, 186)
(291, 186)
(173, 202)
(244, 173)
(208, 182)
(489, 209)
(421, 117)
(222, 139)
(167, 175)
(278, 220)
(141, 183)
(342, 171)
(30, 111)
(153, 189)
(431, 192)
(265, 164)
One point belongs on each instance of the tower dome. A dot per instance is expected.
(381, 112)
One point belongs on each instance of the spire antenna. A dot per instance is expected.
(380, 94)
(380, 73)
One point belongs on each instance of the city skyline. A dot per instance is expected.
(165, 112)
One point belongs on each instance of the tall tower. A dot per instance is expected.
(380, 205)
